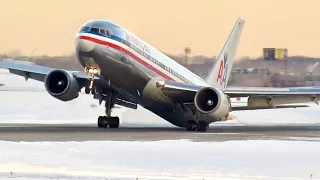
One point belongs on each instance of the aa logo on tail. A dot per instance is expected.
(223, 68)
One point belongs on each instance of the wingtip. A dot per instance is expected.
(240, 19)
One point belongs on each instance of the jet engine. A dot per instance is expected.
(212, 102)
(62, 85)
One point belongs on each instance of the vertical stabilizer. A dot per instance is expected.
(220, 73)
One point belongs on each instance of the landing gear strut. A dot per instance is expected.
(197, 126)
(108, 120)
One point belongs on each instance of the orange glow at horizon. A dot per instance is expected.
(48, 27)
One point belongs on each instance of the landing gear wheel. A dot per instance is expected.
(202, 126)
(93, 90)
(191, 126)
(105, 121)
(114, 122)
(102, 121)
(87, 90)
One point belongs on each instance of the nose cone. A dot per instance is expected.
(84, 45)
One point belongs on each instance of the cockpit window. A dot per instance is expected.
(104, 32)
(95, 30)
(84, 29)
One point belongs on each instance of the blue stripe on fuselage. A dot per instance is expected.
(144, 54)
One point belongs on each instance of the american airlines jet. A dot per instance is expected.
(120, 68)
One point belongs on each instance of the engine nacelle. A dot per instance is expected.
(212, 102)
(62, 85)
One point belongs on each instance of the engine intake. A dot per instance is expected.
(212, 102)
(206, 100)
(62, 85)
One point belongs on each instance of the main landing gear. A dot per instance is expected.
(108, 120)
(112, 122)
(197, 126)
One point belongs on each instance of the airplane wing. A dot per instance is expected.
(28, 71)
(259, 98)
(39, 73)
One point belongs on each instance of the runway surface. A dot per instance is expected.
(217, 133)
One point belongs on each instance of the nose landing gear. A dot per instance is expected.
(92, 71)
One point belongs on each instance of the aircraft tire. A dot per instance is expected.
(191, 126)
(87, 90)
(114, 122)
(102, 121)
(202, 126)
(93, 90)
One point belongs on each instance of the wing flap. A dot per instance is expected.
(245, 92)
(35, 72)
(28, 71)
(243, 108)
(257, 101)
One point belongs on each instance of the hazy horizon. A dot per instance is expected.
(38, 27)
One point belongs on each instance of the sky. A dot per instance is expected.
(38, 27)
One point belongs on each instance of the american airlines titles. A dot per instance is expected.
(137, 43)
(144, 50)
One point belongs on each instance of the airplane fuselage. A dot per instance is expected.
(133, 65)
(119, 68)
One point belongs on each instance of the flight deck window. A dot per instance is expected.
(84, 29)
(95, 30)
(104, 32)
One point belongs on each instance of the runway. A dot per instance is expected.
(24, 119)
(40, 134)
(216, 133)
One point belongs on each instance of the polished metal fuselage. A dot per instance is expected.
(127, 74)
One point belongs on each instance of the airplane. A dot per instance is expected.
(122, 69)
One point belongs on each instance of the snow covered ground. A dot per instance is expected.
(251, 159)
(164, 159)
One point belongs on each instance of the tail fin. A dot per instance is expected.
(220, 73)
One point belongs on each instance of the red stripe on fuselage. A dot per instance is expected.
(114, 46)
